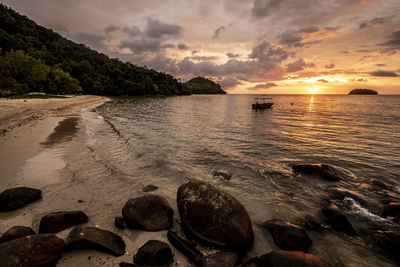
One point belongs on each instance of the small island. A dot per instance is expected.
(363, 92)
(200, 85)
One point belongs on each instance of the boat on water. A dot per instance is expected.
(262, 103)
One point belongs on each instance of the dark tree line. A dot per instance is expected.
(34, 58)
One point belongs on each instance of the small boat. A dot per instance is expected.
(261, 103)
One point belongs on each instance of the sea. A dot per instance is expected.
(128, 143)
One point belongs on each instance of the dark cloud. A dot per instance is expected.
(262, 8)
(290, 39)
(394, 40)
(299, 38)
(203, 58)
(330, 66)
(141, 45)
(218, 31)
(383, 73)
(111, 28)
(229, 82)
(182, 46)
(263, 86)
(131, 30)
(296, 66)
(158, 29)
(310, 29)
(265, 52)
(380, 65)
(372, 22)
(93, 40)
(345, 52)
(323, 81)
(231, 55)
(168, 46)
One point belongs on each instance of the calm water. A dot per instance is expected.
(164, 141)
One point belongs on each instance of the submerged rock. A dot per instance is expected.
(149, 212)
(119, 222)
(184, 246)
(288, 236)
(335, 217)
(33, 250)
(154, 253)
(97, 239)
(392, 210)
(324, 171)
(312, 223)
(388, 241)
(16, 232)
(379, 184)
(281, 258)
(214, 216)
(219, 259)
(227, 175)
(149, 188)
(341, 193)
(18, 197)
(57, 221)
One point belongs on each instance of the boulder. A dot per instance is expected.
(227, 175)
(281, 258)
(97, 239)
(16, 232)
(324, 171)
(214, 216)
(18, 197)
(30, 251)
(379, 184)
(55, 222)
(184, 246)
(392, 210)
(149, 212)
(388, 241)
(149, 188)
(312, 223)
(288, 236)
(335, 217)
(219, 259)
(154, 253)
(338, 193)
(119, 222)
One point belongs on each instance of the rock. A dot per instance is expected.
(184, 246)
(220, 259)
(281, 258)
(324, 171)
(97, 239)
(119, 222)
(18, 197)
(392, 210)
(153, 253)
(214, 216)
(336, 218)
(149, 188)
(30, 251)
(341, 193)
(227, 175)
(312, 223)
(16, 232)
(149, 212)
(125, 264)
(55, 222)
(389, 241)
(379, 184)
(288, 236)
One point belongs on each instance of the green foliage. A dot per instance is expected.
(200, 85)
(94, 72)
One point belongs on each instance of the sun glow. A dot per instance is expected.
(313, 90)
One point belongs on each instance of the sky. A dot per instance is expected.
(248, 46)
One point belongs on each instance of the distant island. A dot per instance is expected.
(363, 92)
(200, 85)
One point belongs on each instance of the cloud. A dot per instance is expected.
(264, 52)
(165, 46)
(296, 66)
(131, 30)
(372, 22)
(307, 35)
(229, 82)
(323, 81)
(231, 55)
(262, 86)
(382, 73)
(218, 31)
(394, 40)
(203, 58)
(359, 80)
(380, 65)
(93, 40)
(141, 45)
(111, 28)
(330, 66)
(290, 39)
(158, 29)
(182, 46)
(262, 8)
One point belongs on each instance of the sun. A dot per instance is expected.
(313, 90)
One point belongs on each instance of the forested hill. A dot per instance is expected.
(34, 58)
(200, 85)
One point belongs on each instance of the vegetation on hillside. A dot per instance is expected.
(363, 92)
(33, 58)
(200, 85)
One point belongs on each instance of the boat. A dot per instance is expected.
(262, 103)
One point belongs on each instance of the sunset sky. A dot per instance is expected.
(248, 46)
